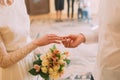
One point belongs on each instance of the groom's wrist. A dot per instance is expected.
(82, 38)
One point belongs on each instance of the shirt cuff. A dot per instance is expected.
(91, 36)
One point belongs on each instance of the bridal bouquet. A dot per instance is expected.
(50, 66)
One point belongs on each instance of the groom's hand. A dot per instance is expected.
(9, 2)
(73, 41)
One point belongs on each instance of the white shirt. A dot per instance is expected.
(108, 35)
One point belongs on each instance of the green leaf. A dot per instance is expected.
(67, 61)
(61, 66)
(51, 50)
(44, 75)
(37, 62)
(38, 55)
(54, 47)
(58, 55)
(33, 72)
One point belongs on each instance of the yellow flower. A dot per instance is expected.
(55, 75)
(45, 63)
(50, 70)
(37, 67)
(62, 56)
(49, 54)
(61, 61)
(56, 67)
(44, 69)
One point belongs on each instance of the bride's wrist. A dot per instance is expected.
(35, 43)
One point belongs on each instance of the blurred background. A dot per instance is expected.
(46, 8)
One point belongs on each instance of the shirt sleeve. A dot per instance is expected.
(92, 36)
(9, 58)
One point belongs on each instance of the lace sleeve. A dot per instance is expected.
(8, 59)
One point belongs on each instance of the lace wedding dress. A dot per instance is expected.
(15, 57)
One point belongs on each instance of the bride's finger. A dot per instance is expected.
(55, 41)
(51, 35)
(54, 38)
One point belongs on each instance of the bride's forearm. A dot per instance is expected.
(15, 56)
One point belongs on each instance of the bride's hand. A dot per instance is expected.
(6, 2)
(47, 39)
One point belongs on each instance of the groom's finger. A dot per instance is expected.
(2, 2)
(67, 43)
(9, 2)
(75, 43)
